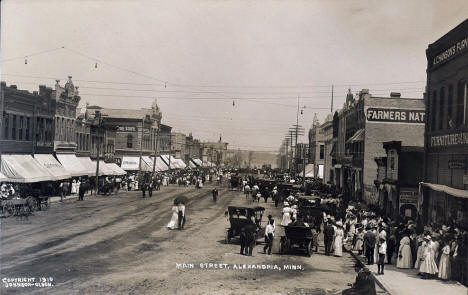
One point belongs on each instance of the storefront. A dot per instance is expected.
(48, 162)
(24, 169)
(445, 187)
(71, 163)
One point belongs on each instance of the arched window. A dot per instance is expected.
(129, 141)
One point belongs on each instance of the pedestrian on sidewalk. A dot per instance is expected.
(339, 239)
(444, 265)
(181, 212)
(428, 266)
(405, 260)
(391, 246)
(269, 234)
(82, 190)
(369, 244)
(382, 253)
(64, 187)
(328, 235)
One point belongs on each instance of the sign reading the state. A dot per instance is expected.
(395, 115)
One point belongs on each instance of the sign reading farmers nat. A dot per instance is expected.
(395, 115)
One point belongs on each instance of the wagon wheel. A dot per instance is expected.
(228, 237)
(32, 203)
(8, 209)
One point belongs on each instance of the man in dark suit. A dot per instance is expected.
(369, 245)
(328, 234)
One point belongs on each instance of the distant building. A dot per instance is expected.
(67, 99)
(214, 152)
(135, 130)
(316, 148)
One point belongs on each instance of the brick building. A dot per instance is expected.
(27, 121)
(364, 123)
(445, 187)
(316, 148)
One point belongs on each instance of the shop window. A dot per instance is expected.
(129, 141)
(441, 108)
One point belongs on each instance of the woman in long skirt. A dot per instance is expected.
(405, 259)
(428, 266)
(73, 187)
(286, 216)
(444, 264)
(339, 239)
(420, 253)
(174, 218)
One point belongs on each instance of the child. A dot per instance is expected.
(382, 252)
(315, 233)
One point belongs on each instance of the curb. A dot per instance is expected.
(379, 283)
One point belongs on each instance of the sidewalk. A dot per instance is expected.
(398, 281)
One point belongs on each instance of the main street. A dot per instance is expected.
(120, 244)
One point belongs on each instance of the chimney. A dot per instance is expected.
(395, 94)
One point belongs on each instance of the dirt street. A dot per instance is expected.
(120, 244)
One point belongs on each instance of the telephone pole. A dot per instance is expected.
(155, 152)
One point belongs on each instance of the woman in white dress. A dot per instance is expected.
(174, 218)
(78, 183)
(405, 258)
(428, 266)
(73, 188)
(444, 264)
(286, 216)
(339, 239)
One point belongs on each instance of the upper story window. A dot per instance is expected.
(129, 141)
(462, 103)
(6, 121)
(433, 110)
(441, 108)
(322, 152)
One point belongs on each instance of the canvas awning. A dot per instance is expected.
(88, 165)
(181, 163)
(358, 136)
(24, 169)
(197, 162)
(3, 178)
(130, 163)
(147, 164)
(309, 170)
(192, 164)
(117, 170)
(53, 166)
(71, 163)
(174, 163)
(446, 189)
(104, 169)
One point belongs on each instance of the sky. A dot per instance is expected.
(236, 69)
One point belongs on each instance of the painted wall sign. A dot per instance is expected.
(456, 164)
(450, 52)
(450, 139)
(395, 115)
(126, 128)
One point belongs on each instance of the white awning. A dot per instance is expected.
(160, 165)
(192, 164)
(3, 178)
(460, 193)
(117, 170)
(197, 162)
(174, 163)
(24, 169)
(310, 170)
(53, 166)
(181, 163)
(71, 163)
(147, 164)
(104, 169)
(358, 136)
(130, 163)
(88, 164)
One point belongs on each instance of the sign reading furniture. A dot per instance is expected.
(450, 139)
(395, 115)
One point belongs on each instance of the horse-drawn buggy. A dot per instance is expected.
(245, 218)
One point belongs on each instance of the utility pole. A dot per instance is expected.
(331, 108)
(155, 152)
(303, 165)
(2, 127)
(98, 139)
(141, 145)
(170, 150)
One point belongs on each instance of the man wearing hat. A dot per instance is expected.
(328, 234)
(364, 284)
(369, 245)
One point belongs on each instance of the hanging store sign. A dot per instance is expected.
(450, 139)
(408, 196)
(395, 115)
(456, 164)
